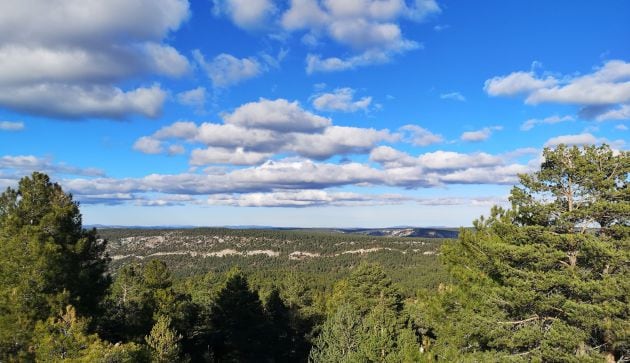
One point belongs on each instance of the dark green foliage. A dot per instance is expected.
(549, 279)
(164, 342)
(240, 330)
(48, 260)
(66, 338)
(367, 323)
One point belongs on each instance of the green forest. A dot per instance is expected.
(545, 280)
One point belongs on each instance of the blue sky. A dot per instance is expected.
(304, 112)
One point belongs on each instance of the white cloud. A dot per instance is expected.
(516, 83)
(277, 115)
(391, 158)
(259, 130)
(606, 86)
(315, 62)
(70, 54)
(164, 59)
(11, 126)
(576, 139)
(226, 70)
(226, 135)
(341, 99)
(176, 150)
(370, 28)
(585, 138)
(296, 182)
(621, 127)
(148, 145)
(305, 198)
(453, 96)
(246, 14)
(195, 97)
(78, 102)
(179, 129)
(441, 27)
(449, 160)
(419, 136)
(479, 135)
(597, 93)
(620, 113)
(336, 140)
(219, 155)
(532, 122)
(19, 165)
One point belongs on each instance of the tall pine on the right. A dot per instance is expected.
(549, 279)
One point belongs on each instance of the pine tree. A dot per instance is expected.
(338, 341)
(238, 322)
(164, 342)
(65, 338)
(367, 323)
(549, 279)
(47, 260)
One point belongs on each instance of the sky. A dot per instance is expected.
(309, 113)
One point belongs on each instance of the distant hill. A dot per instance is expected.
(405, 232)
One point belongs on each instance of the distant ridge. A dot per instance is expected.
(403, 231)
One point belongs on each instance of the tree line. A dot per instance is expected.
(546, 280)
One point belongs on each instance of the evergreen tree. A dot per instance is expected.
(287, 343)
(164, 342)
(367, 286)
(338, 341)
(47, 259)
(238, 322)
(368, 322)
(65, 338)
(547, 280)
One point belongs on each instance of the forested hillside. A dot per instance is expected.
(544, 281)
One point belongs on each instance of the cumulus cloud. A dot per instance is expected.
(11, 125)
(78, 102)
(584, 138)
(246, 14)
(277, 115)
(226, 70)
(148, 145)
(620, 113)
(426, 170)
(256, 131)
(439, 160)
(532, 122)
(369, 28)
(305, 198)
(341, 99)
(71, 55)
(16, 166)
(597, 93)
(195, 97)
(219, 155)
(445, 167)
(176, 149)
(284, 182)
(456, 96)
(479, 135)
(608, 85)
(317, 63)
(336, 140)
(420, 136)
(517, 83)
